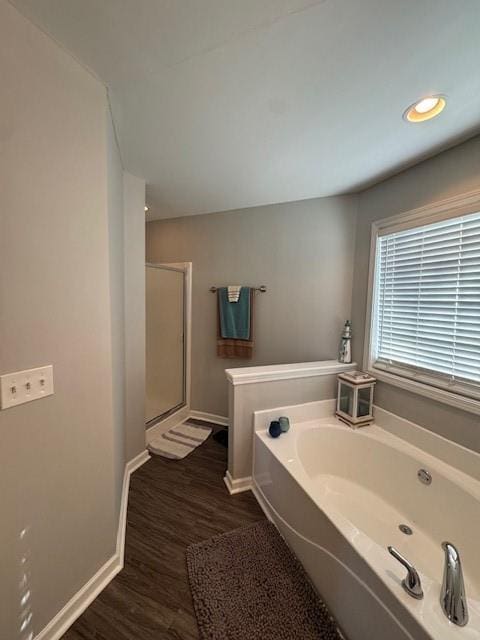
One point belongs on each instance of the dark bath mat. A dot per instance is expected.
(248, 585)
(221, 437)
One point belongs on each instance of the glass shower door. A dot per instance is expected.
(165, 347)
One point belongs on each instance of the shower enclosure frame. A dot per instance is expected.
(182, 410)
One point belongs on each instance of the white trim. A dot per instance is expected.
(130, 468)
(188, 332)
(428, 214)
(169, 422)
(74, 608)
(136, 463)
(238, 485)
(428, 391)
(209, 417)
(252, 375)
(81, 600)
(371, 289)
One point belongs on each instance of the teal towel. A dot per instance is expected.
(234, 316)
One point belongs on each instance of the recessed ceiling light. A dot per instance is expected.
(146, 208)
(425, 109)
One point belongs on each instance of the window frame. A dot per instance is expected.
(420, 382)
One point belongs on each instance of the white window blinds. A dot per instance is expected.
(427, 302)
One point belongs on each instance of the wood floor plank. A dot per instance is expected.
(172, 504)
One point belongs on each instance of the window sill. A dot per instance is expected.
(428, 391)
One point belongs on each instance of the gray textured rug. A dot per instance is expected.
(178, 441)
(248, 585)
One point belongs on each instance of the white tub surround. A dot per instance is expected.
(254, 388)
(338, 496)
(272, 372)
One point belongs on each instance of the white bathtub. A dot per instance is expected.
(338, 496)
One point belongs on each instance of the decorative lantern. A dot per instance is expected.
(355, 398)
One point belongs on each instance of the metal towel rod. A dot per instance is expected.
(262, 289)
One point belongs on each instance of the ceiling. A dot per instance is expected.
(225, 104)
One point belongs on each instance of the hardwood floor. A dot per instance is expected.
(171, 505)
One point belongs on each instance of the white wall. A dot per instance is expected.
(62, 299)
(303, 251)
(451, 173)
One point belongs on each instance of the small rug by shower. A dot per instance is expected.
(248, 585)
(179, 441)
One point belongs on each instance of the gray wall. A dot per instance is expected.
(117, 302)
(302, 251)
(62, 280)
(244, 399)
(56, 454)
(126, 240)
(134, 230)
(453, 172)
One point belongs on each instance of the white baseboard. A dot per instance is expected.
(130, 467)
(81, 600)
(237, 485)
(209, 417)
(74, 608)
(164, 425)
(136, 462)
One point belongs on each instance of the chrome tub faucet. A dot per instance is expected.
(412, 583)
(452, 595)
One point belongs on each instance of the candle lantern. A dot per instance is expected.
(355, 398)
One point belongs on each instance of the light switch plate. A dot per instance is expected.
(25, 386)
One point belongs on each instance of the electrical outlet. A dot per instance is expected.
(25, 386)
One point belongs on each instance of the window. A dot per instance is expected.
(425, 317)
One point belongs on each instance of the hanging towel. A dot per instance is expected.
(233, 292)
(234, 317)
(235, 324)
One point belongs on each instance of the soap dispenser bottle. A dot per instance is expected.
(345, 351)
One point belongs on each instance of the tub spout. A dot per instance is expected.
(452, 595)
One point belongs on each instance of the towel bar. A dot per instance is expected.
(262, 288)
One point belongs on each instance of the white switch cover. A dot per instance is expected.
(24, 386)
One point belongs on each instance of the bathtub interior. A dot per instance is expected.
(371, 479)
(366, 482)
